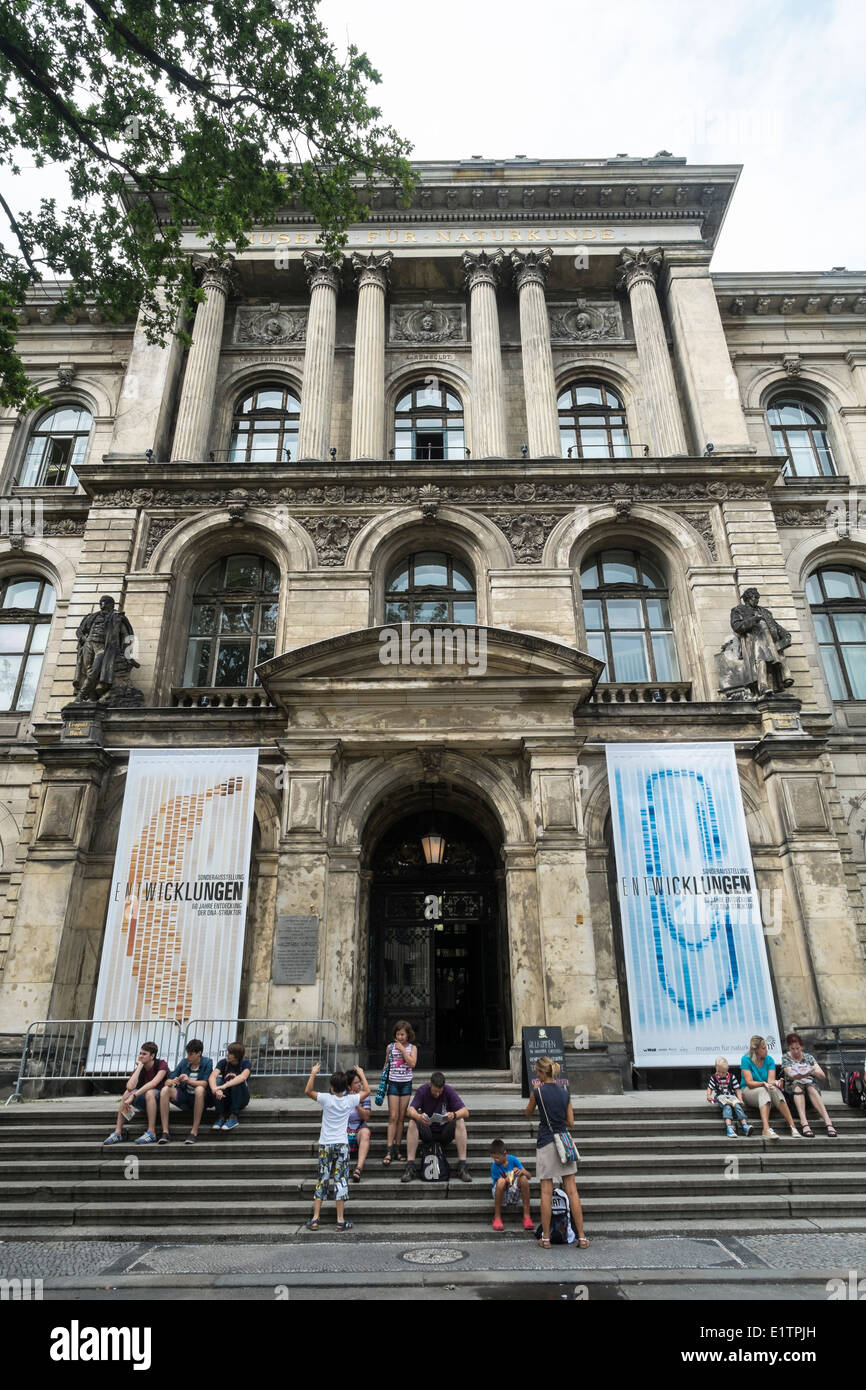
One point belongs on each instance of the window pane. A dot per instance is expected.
(464, 612)
(48, 599)
(665, 656)
(589, 576)
(266, 651)
(589, 395)
(243, 572)
(197, 662)
(833, 672)
(621, 447)
(822, 627)
(237, 618)
(803, 463)
(855, 665)
(813, 589)
(629, 657)
(268, 617)
(567, 440)
(39, 640)
(233, 663)
(619, 567)
(625, 612)
(431, 612)
(32, 463)
(658, 612)
(652, 575)
(269, 400)
(203, 620)
(9, 668)
(210, 580)
(399, 580)
(430, 568)
(595, 645)
(462, 577)
(396, 612)
(850, 627)
(21, 593)
(838, 584)
(405, 402)
(271, 581)
(13, 636)
(564, 401)
(592, 614)
(27, 694)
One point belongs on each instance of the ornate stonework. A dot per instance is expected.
(420, 324)
(586, 322)
(372, 269)
(332, 536)
(482, 266)
(702, 522)
(158, 529)
(271, 326)
(527, 532)
(530, 267)
(641, 264)
(64, 526)
(815, 518)
(321, 270)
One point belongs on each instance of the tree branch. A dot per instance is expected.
(19, 237)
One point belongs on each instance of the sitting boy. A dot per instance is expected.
(510, 1184)
(723, 1089)
(227, 1084)
(142, 1093)
(187, 1088)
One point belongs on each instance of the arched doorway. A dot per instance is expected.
(438, 955)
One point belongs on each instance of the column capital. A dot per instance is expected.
(372, 269)
(530, 267)
(637, 266)
(216, 272)
(482, 268)
(321, 270)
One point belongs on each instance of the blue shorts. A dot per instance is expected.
(399, 1088)
(140, 1102)
(185, 1098)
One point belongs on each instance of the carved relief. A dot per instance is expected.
(158, 528)
(527, 532)
(332, 536)
(427, 323)
(702, 522)
(270, 326)
(65, 526)
(585, 322)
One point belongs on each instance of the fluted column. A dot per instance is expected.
(314, 429)
(488, 413)
(368, 390)
(199, 381)
(539, 385)
(637, 272)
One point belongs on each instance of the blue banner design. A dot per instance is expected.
(696, 962)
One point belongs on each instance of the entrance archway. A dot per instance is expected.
(438, 947)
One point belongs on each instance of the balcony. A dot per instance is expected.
(640, 693)
(220, 697)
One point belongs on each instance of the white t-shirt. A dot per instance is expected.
(335, 1115)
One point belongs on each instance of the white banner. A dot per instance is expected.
(696, 960)
(174, 934)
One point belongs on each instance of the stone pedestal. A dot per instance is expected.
(637, 273)
(539, 384)
(368, 390)
(315, 424)
(488, 412)
(199, 383)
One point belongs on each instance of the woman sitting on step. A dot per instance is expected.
(761, 1089)
(803, 1075)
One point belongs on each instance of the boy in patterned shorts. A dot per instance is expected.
(337, 1105)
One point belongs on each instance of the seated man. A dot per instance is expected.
(187, 1088)
(142, 1093)
(436, 1116)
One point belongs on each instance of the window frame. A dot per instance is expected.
(285, 424)
(572, 413)
(806, 403)
(453, 423)
(414, 594)
(603, 593)
(36, 431)
(35, 619)
(831, 608)
(220, 598)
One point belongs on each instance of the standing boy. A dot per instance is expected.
(337, 1105)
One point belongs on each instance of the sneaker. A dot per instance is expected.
(747, 1128)
(731, 1132)
(147, 1138)
(113, 1138)
(164, 1138)
(219, 1124)
(191, 1139)
(231, 1123)
(463, 1173)
(497, 1224)
(410, 1173)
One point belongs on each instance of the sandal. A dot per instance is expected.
(583, 1242)
(544, 1243)
(389, 1156)
(808, 1132)
(832, 1133)
(345, 1226)
(312, 1224)
(357, 1175)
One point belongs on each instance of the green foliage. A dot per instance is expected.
(169, 116)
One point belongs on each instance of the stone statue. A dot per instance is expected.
(753, 660)
(103, 641)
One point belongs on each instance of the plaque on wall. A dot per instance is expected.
(296, 950)
(541, 1042)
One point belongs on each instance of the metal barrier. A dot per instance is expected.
(274, 1046)
(832, 1036)
(76, 1049)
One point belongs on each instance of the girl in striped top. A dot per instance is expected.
(400, 1059)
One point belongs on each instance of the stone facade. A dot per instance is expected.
(503, 285)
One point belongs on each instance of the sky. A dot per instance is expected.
(778, 86)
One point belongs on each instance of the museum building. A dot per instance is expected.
(522, 406)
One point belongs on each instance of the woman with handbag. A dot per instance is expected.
(555, 1154)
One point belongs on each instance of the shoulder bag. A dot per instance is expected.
(566, 1149)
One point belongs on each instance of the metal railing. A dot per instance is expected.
(274, 1046)
(76, 1049)
(829, 1035)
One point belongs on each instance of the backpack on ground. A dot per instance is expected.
(434, 1165)
(562, 1231)
(851, 1086)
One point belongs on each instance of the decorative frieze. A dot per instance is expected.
(420, 324)
(332, 535)
(157, 530)
(527, 532)
(813, 518)
(583, 321)
(270, 327)
(702, 522)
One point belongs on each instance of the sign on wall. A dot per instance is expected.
(695, 954)
(174, 934)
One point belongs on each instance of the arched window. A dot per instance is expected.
(837, 598)
(430, 587)
(26, 606)
(234, 622)
(428, 424)
(800, 436)
(57, 445)
(265, 426)
(628, 619)
(592, 422)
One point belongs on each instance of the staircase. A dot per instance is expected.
(650, 1163)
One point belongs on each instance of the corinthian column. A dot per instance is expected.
(637, 272)
(199, 381)
(368, 389)
(539, 386)
(488, 414)
(315, 424)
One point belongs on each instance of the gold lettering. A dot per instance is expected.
(515, 235)
(302, 238)
(372, 236)
(589, 234)
(283, 236)
(409, 236)
(552, 234)
(265, 238)
(497, 235)
(534, 236)
(391, 234)
(463, 236)
(480, 235)
(570, 234)
(608, 234)
(443, 236)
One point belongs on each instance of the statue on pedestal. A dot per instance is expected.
(104, 640)
(752, 662)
